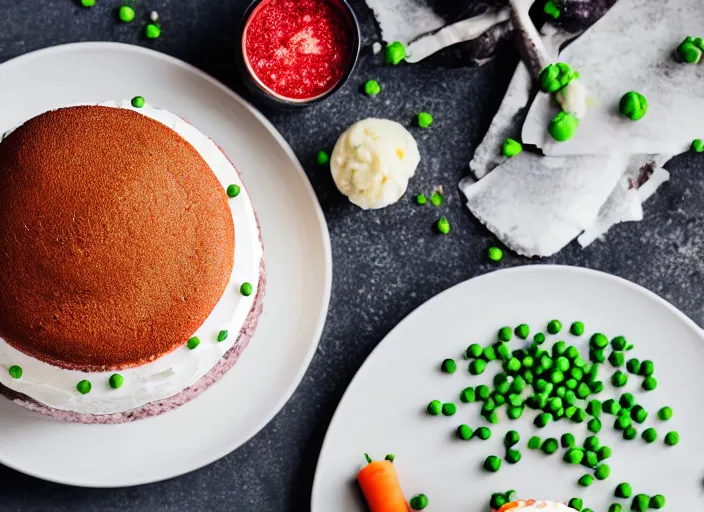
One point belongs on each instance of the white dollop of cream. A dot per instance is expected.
(373, 161)
(573, 99)
(169, 375)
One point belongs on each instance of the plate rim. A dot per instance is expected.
(324, 231)
(543, 267)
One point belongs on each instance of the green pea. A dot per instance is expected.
(557, 376)
(615, 507)
(592, 443)
(597, 356)
(246, 289)
(570, 397)
(576, 503)
(116, 381)
(554, 326)
(555, 77)
(603, 453)
(633, 366)
(638, 414)
(511, 438)
(372, 88)
(641, 502)
(558, 349)
(513, 456)
(602, 472)
(473, 351)
(513, 365)
(511, 495)
(633, 105)
(649, 383)
(672, 438)
(514, 412)
(464, 432)
(657, 501)
(534, 443)
(665, 413)
(419, 502)
(622, 422)
(630, 433)
(477, 367)
(542, 420)
(483, 433)
(583, 391)
(15, 371)
(562, 364)
(193, 342)
(395, 53)
(421, 199)
(549, 446)
(698, 146)
(222, 335)
(503, 351)
(579, 415)
(567, 440)
(492, 463)
(522, 331)
(577, 328)
(482, 392)
(443, 226)
(511, 148)
(515, 400)
(87, 3)
(449, 409)
(539, 338)
(495, 254)
(617, 359)
(576, 373)
(448, 366)
(137, 102)
(497, 501)
(467, 395)
(610, 406)
(596, 387)
(619, 379)
(574, 456)
(499, 399)
(489, 353)
(649, 435)
(570, 411)
(586, 480)
(434, 408)
(594, 408)
(390, 457)
(594, 425)
(647, 368)
(152, 31)
(598, 341)
(627, 400)
(491, 417)
(591, 459)
(84, 387)
(623, 490)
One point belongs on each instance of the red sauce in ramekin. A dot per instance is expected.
(298, 49)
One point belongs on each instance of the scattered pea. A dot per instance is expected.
(617, 359)
(567, 440)
(615, 507)
(534, 443)
(419, 502)
(598, 341)
(672, 438)
(464, 432)
(649, 435)
(193, 342)
(137, 102)
(390, 457)
(483, 392)
(87, 3)
(116, 381)
(477, 367)
(492, 463)
(602, 472)
(511, 438)
(84, 387)
(594, 425)
(577, 328)
(633, 105)
(603, 453)
(152, 31)
(619, 379)
(657, 501)
(436, 199)
(641, 502)
(443, 226)
(505, 334)
(322, 158)
(649, 383)
(638, 414)
(511, 148)
(576, 503)
(372, 88)
(610, 406)
(590, 460)
(126, 13)
(497, 501)
(554, 326)
(627, 400)
(623, 490)
(434, 408)
(698, 146)
(513, 456)
(523, 331)
(495, 254)
(619, 343)
(592, 443)
(467, 395)
(647, 368)
(222, 335)
(483, 433)
(542, 420)
(633, 366)
(665, 413)
(15, 371)
(630, 433)
(574, 456)
(550, 446)
(563, 126)
(586, 480)
(395, 53)
(449, 409)
(449, 366)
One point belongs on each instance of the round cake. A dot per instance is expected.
(123, 293)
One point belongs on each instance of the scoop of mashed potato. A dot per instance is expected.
(373, 161)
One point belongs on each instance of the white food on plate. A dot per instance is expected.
(573, 99)
(373, 161)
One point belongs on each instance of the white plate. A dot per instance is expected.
(297, 253)
(383, 411)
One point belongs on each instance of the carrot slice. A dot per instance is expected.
(515, 505)
(381, 488)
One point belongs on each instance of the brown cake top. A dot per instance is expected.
(116, 239)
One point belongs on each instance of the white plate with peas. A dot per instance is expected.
(295, 237)
(599, 384)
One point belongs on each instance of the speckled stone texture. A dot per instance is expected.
(387, 262)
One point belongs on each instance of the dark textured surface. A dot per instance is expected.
(387, 262)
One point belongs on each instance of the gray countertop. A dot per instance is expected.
(386, 263)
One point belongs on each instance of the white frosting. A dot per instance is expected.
(171, 374)
(373, 161)
(573, 99)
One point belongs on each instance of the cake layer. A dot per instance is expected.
(117, 239)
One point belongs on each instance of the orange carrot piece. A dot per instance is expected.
(381, 488)
(515, 504)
